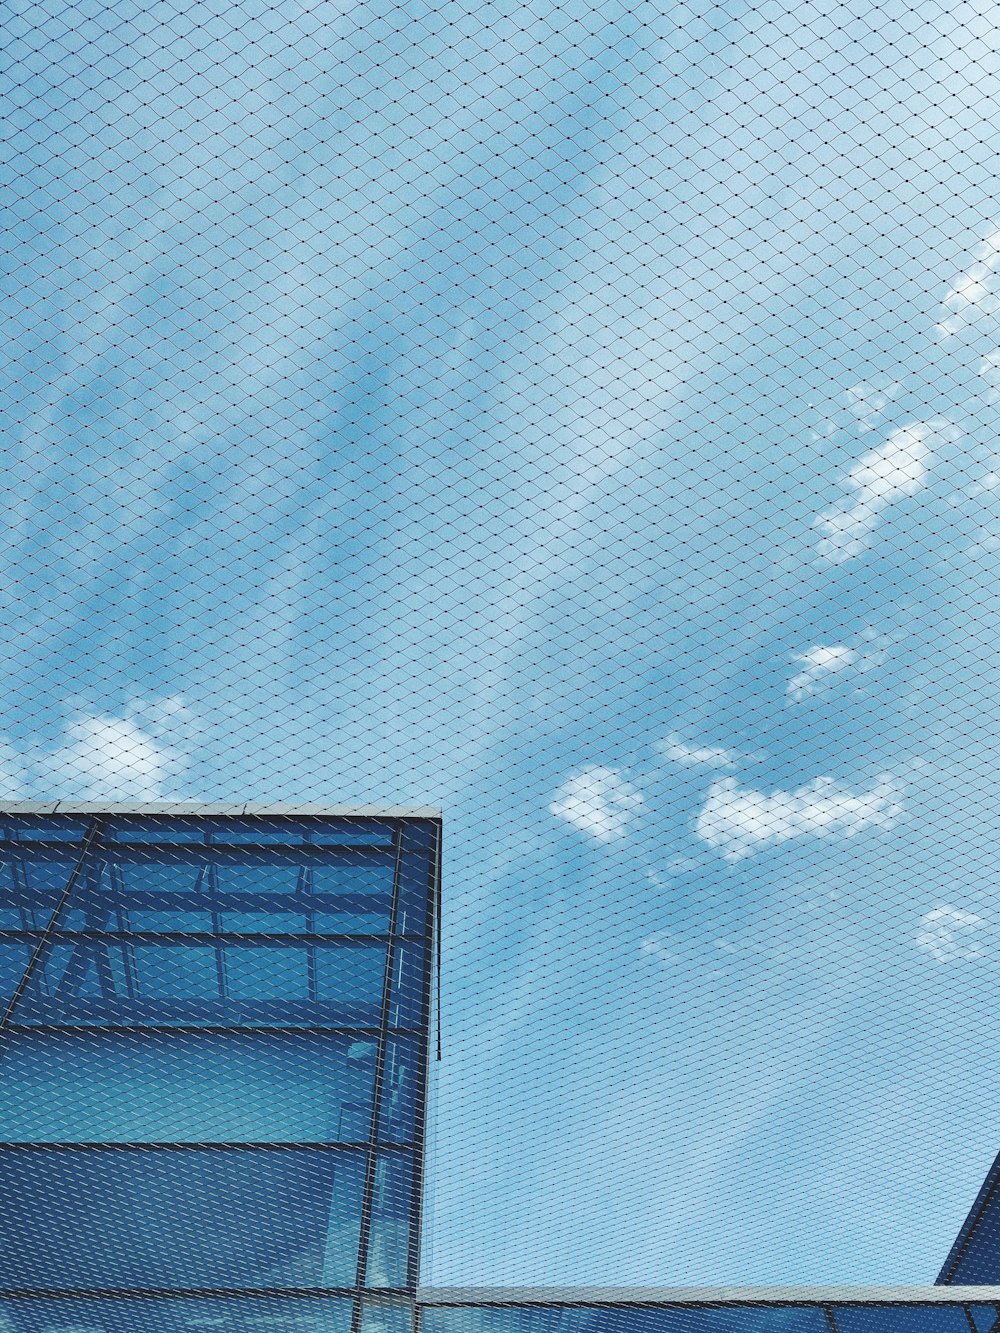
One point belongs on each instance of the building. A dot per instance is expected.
(213, 1054)
(213, 1060)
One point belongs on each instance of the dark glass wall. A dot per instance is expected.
(212, 1065)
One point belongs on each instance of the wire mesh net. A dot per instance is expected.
(581, 417)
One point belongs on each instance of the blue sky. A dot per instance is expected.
(584, 417)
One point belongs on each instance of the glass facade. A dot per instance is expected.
(707, 1316)
(975, 1257)
(212, 1069)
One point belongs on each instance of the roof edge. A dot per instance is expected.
(790, 1295)
(205, 808)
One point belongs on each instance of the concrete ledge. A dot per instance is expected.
(695, 1296)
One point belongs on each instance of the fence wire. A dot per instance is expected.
(581, 417)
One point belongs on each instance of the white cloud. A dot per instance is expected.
(895, 470)
(818, 664)
(974, 292)
(133, 757)
(597, 801)
(989, 373)
(824, 665)
(739, 820)
(950, 933)
(867, 401)
(695, 756)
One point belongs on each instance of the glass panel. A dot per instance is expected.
(516, 1319)
(901, 1319)
(984, 1317)
(31, 885)
(141, 893)
(352, 975)
(203, 1314)
(79, 1087)
(276, 874)
(169, 1217)
(389, 1249)
(398, 1110)
(21, 907)
(152, 830)
(45, 828)
(254, 971)
(979, 1264)
(14, 958)
(623, 1319)
(264, 923)
(354, 895)
(406, 1000)
(164, 982)
(416, 865)
(387, 1317)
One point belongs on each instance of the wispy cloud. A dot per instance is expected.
(867, 401)
(950, 933)
(824, 665)
(738, 821)
(895, 470)
(817, 665)
(974, 292)
(695, 756)
(135, 756)
(598, 801)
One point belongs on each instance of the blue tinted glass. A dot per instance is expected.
(392, 1217)
(148, 1217)
(203, 1314)
(47, 873)
(514, 1319)
(416, 865)
(623, 1319)
(45, 828)
(174, 971)
(154, 830)
(398, 1110)
(351, 977)
(275, 874)
(14, 957)
(979, 1263)
(351, 832)
(31, 885)
(164, 982)
(984, 1317)
(407, 994)
(353, 894)
(197, 1088)
(264, 923)
(387, 1317)
(901, 1319)
(259, 971)
(140, 893)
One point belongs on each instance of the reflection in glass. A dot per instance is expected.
(389, 1247)
(901, 1319)
(85, 1086)
(387, 1317)
(164, 982)
(179, 1217)
(398, 1111)
(201, 1314)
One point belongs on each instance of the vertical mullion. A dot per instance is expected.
(420, 1092)
(831, 1318)
(371, 1165)
(90, 840)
